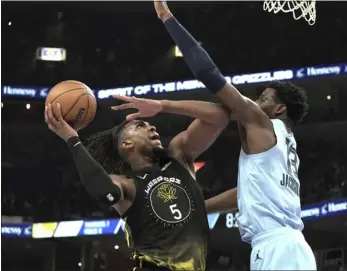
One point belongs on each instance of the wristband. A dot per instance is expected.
(73, 142)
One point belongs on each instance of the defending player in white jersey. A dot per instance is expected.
(268, 184)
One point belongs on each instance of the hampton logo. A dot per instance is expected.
(159, 179)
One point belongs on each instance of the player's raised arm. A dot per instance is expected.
(96, 181)
(210, 120)
(244, 110)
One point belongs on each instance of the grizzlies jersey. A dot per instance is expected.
(268, 187)
(167, 223)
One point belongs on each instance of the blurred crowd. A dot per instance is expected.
(335, 267)
(323, 170)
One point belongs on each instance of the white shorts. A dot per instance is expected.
(281, 249)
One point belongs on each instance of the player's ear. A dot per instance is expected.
(127, 144)
(280, 108)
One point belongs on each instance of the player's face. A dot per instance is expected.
(269, 103)
(142, 136)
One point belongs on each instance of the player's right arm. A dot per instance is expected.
(257, 124)
(106, 189)
(224, 202)
(110, 190)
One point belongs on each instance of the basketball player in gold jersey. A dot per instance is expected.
(152, 188)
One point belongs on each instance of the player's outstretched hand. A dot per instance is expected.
(147, 107)
(57, 124)
(162, 10)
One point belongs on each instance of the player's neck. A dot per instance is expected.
(144, 164)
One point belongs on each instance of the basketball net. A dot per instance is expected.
(299, 8)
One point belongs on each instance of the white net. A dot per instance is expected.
(300, 8)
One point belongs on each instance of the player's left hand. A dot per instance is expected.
(163, 11)
(147, 107)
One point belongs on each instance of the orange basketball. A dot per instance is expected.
(78, 103)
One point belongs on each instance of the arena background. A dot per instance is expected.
(121, 47)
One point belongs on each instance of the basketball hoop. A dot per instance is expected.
(299, 8)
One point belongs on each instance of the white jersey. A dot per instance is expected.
(268, 187)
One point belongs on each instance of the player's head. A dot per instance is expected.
(284, 100)
(116, 148)
(137, 138)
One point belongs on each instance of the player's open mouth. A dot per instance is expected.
(155, 137)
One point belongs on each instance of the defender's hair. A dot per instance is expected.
(293, 97)
(103, 147)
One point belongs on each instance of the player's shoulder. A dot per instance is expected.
(277, 122)
(279, 126)
(282, 131)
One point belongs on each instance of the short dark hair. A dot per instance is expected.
(103, 147)
(294, 97)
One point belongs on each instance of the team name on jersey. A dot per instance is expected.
(159, 179)
(291, 183)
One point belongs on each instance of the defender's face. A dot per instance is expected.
(143, 136)
(268, 102)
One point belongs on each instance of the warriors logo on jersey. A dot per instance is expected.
(168, 201)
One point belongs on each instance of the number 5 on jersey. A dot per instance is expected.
(175, 211)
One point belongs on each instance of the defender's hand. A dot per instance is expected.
(162, 10)
(146, 107)
(57, 124)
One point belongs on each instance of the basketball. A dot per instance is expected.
(78, 103)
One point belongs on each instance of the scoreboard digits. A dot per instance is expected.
(231, 220)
